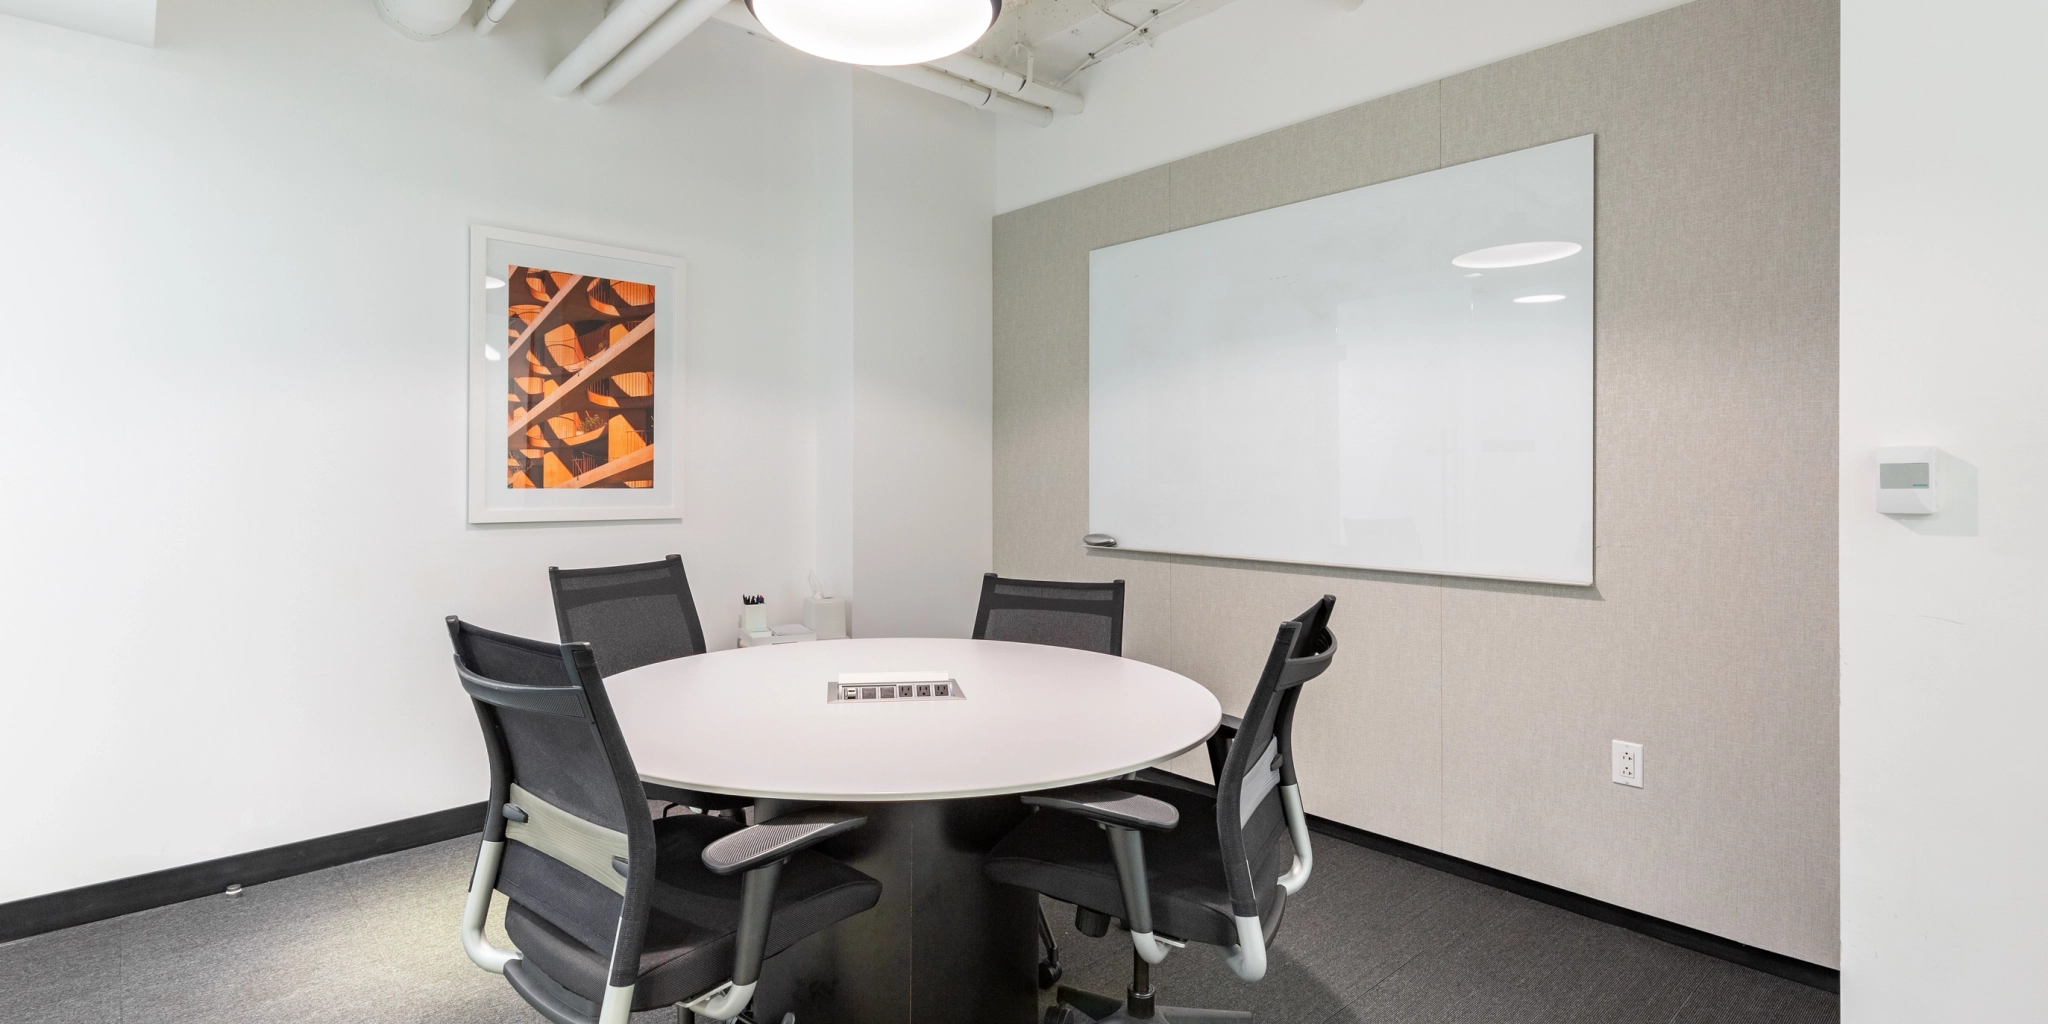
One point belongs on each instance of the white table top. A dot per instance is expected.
(755, 721)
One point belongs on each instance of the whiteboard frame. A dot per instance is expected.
(1593, 518)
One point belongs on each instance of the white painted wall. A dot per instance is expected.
(923, 191)
(234, 276)
(1256, 65)
(1945, 342)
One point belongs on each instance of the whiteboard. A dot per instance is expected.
(1396, 377)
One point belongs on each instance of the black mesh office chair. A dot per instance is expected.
(614, 911)
(634, 615)
(1084, 616)
(1225, 884)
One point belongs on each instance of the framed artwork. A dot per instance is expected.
(575, 389)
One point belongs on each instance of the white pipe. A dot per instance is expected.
(623, 25)
(422, 19)
(966, 92)
(492, 16)
(662, 36)
(1002, 79)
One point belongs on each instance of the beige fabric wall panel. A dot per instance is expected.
(1475, 717)
(1713, 638)
(1363, 145)
(1366, 733)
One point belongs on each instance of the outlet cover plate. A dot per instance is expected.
(1628, 763)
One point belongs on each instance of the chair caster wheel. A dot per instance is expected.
(1049, 974)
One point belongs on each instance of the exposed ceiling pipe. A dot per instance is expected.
(624, 24)
(422, 19)
(922, 76)
(662, 36)
(966, 92)
(492, 16)
(1002, 79)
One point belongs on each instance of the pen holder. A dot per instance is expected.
(754, 618)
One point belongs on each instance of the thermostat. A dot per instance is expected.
(1908, 481)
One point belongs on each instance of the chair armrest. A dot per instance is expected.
(777, 839)
(1110, 806)
(1219, 744)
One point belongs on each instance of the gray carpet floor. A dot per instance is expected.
(1372, 939)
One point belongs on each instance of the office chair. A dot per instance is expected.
(613, 911)
(1085, 616)
(634, 615)
(1148, 855)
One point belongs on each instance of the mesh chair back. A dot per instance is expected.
(1249, 814)
(1085, 616)
(565, 797)
(631, 615)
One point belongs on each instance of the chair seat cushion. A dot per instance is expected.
(690, 928)
(1067, 857)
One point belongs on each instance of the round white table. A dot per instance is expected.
(935, 778)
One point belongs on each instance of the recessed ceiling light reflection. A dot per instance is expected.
(1520, 254)
(492, 282)
(1540, 298)
(491, 354)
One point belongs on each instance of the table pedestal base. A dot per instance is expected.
(944, 945)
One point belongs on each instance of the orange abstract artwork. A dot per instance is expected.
(580, 386)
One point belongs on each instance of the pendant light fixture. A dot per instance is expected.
(877, 32)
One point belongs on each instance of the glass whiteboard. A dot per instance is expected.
(1395, 377)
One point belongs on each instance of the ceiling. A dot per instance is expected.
(1053, 40)
(130, 21)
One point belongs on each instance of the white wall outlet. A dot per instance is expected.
(1628, 763)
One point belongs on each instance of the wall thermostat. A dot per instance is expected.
(1908, 481)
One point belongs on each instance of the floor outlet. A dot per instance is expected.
(1628, 763)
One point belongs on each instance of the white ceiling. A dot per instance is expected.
(1052, 39)
(130, 21)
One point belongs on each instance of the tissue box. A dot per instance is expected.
(826, 617)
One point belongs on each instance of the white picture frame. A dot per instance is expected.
(582, 396)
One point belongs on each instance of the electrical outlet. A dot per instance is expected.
(1628, 763)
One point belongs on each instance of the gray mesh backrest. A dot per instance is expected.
(1250, 835)
(550, 732)
(1085, 616)
(561, 760)
(630, 615)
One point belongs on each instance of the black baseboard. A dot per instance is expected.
(86, 904)
(1827, 979)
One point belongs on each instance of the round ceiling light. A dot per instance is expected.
(1520, 254)
(1541, 298)
(877, 32)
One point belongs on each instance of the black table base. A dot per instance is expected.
(944, 945)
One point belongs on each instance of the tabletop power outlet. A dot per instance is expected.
(893, 686)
